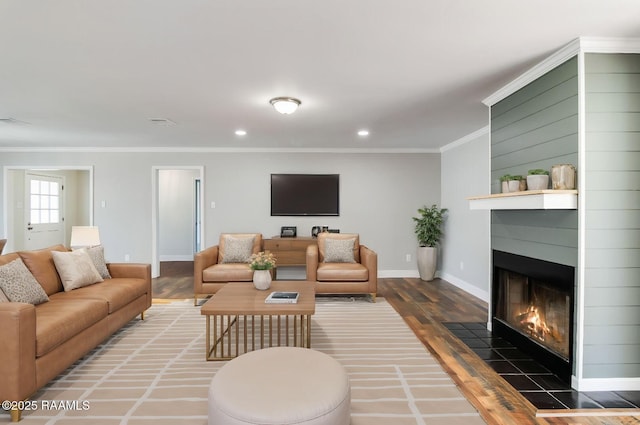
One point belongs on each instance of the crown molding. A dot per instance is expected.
(575, 47)
(609, 45)
(213, 150)
(553, 61)
(466, 139)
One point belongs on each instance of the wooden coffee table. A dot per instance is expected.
(238, 319)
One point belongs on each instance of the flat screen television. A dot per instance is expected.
(305, 194)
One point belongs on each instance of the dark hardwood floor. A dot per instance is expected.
(425, 306)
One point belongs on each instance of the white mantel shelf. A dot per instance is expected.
(527, 200)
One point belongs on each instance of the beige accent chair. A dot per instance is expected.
(211, 270)
(343, 276)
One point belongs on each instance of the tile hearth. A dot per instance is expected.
(537, 384)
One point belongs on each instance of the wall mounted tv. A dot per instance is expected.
(305, 194)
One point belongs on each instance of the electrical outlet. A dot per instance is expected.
(127, 258)
(461, 265)
(407, 258)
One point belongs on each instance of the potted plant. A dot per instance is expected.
(538, 179)
(517, 183)
(504, 180)
(428, 228)
(262, 263)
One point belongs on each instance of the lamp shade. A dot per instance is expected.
(84, 236)
(285, 105)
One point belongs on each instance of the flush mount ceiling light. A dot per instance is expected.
(363, 133)
(285, 105)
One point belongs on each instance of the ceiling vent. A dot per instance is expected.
(162, 121)
(11, 121)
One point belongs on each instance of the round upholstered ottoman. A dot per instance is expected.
(280, 385)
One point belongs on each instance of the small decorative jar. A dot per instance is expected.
(563, 177)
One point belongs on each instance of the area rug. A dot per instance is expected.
(154, 372)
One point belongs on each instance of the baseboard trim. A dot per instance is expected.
(398, 273)
(459, 283)
(467, 287)
(605, 384)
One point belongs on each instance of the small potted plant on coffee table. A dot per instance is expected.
(262, 263)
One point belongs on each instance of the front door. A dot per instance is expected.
(44, 216)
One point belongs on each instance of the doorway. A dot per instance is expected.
(44, 201)
(177, 228)
(41, 204)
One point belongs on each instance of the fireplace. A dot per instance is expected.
(532, 307)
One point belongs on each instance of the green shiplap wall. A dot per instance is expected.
(536, 127)
(612, 216)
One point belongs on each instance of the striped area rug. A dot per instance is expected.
(154, 372)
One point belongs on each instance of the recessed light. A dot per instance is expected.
(363, 133)
(241, 133)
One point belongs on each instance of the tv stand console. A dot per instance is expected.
(289, 251)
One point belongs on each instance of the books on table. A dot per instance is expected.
(280, 297)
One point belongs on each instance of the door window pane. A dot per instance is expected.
(45, 202)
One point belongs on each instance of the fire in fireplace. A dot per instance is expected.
(533, 308)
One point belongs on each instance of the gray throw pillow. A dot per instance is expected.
(96, 253)
(237, 250)
(3, 297)
(338, 250)
(19, 285)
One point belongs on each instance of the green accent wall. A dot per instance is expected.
(536, 127)
(612, 216)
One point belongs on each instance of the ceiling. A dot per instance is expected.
(93, 73)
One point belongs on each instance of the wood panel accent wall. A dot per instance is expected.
(536, 127)
(612, 216)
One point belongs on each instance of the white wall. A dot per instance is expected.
(176, 214)
(466, 246)
(380, 192)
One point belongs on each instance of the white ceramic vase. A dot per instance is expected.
(262, 279)
(427, 258)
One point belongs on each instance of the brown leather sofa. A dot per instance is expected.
(43, 340)
(211, 271)
(344, 277)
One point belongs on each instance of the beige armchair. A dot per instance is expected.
(338, 264)
(225, 262)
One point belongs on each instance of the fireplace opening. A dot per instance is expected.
(532, 307)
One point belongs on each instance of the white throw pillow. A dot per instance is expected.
(237, 250)
(19, 285)
(75, 269)
(339, 250)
